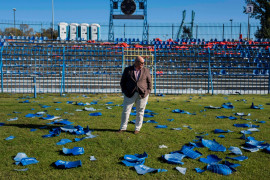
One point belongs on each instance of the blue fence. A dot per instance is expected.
(97, 68)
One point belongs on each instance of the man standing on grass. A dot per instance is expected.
(136, 85)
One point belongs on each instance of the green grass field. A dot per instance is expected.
(109, 147)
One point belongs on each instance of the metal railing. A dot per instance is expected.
(84, 68)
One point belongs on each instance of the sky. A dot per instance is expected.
(97, 11)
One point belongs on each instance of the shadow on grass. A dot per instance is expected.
(37, 126)
(32, 126)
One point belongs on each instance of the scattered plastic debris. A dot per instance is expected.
(21, 158)
(174, 158)
(74, 151)
(177, 129)
(235, 150)
(55, 132)
(219, 169)
(198, 170)
(92, 158)
(136, 159)
(89, 109)
(188, 151)
(170, 120)
(216, 131)
(68, 164)
(13, 119)
(255, 107)
(2, 124)
(50, 117)
(212, 107)
(95, 114)
(238, 158)
(142, 169)
(64, 141)
(151, 121)
(161, 126)
(162, 146)
(211, 159)
(182, 112)
(10, 138)
(246, 125)
(213, 145)
(181, 170)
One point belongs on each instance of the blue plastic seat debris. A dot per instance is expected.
(255, 107)
(45, 106)
(189, 152)
(21, 158)
(136, 159)
(231, 165)
(33, 115)
(89, 136)
(219, 169)
(212, 107)
(2, 124)
(246, 132)
(142, 169)
(68, 164)
(95, 114)
(242, 114)
(246, 125)
(61, 121)
(213, 145)
(28, 161)
(55, 132)
(50, 117)
(182, 112)
(221, 117)
(74, 151)
(177, 129)
(211, 159)
(198, 170)
(161, 126)
(13, 119)
(63, 141)
(227, 106)
(10, 138)
(174, 158)
(238, 158)
(235, 150)
(26, 101)
(216, 131)
(170, 120)
(148, 115)
(151, 121)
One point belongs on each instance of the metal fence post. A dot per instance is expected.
(123, 60)
(155, 70)
(1, 67)
(269, 75)
(63, 74)
(209, 72)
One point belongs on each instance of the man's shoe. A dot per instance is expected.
(121, 131)
(136, 132)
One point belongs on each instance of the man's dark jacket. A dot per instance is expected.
(130, 85)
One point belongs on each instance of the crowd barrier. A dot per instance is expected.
(95, 68)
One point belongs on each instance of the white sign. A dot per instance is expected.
(249, 8)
